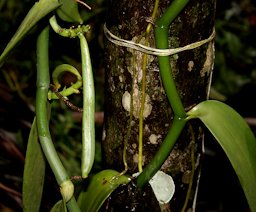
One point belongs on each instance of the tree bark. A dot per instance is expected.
(192, 69)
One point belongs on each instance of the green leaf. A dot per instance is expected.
(101, 186)
(87, 15)
(34, 171)
(69, 11)
(59, 207)
(236, 139)
(35, 14)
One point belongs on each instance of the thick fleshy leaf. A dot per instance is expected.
(69, 11)
(35, 14)
(59, 207)
(101, 186)
(34, 171)
(236, 139)
(86, 15)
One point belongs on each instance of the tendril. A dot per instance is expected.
(71, 32)
(73, 89)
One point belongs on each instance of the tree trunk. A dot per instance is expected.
(192, 69)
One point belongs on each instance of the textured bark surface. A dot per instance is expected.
(191, 70)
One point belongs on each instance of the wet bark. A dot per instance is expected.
(191, 69)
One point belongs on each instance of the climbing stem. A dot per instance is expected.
(171, 13)
(43, 81)
(163, 152)
(143, 98)
(143, 88)
(161, 36)
(42, 105)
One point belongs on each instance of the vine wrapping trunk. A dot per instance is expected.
(191, 71)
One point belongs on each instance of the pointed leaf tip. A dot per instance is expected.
(235, 137)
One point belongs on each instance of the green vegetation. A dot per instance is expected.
(53, 122)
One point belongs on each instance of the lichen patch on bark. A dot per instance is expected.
(191, 65)
(135, 158)
(153, 139)
(136, 59)
(209, 61)
(126, 102)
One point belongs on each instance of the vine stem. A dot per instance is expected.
(161, 36)
(43, 80)
(143, 89)
(163, 152)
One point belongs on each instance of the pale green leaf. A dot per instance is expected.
(101, 186)
(69, 11)
(34, 171)
(35, 14)
(236, 139)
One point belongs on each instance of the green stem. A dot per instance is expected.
(171, 13)
(43, 80)
(71, 32)
(73, 206)
(88, 128)
(163, 152)
(143, 89)
(161, 36)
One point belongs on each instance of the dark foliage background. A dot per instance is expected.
(234, 82)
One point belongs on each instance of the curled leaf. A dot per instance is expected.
(101, 186)
(69, 11)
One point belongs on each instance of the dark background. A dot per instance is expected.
(234, 81)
